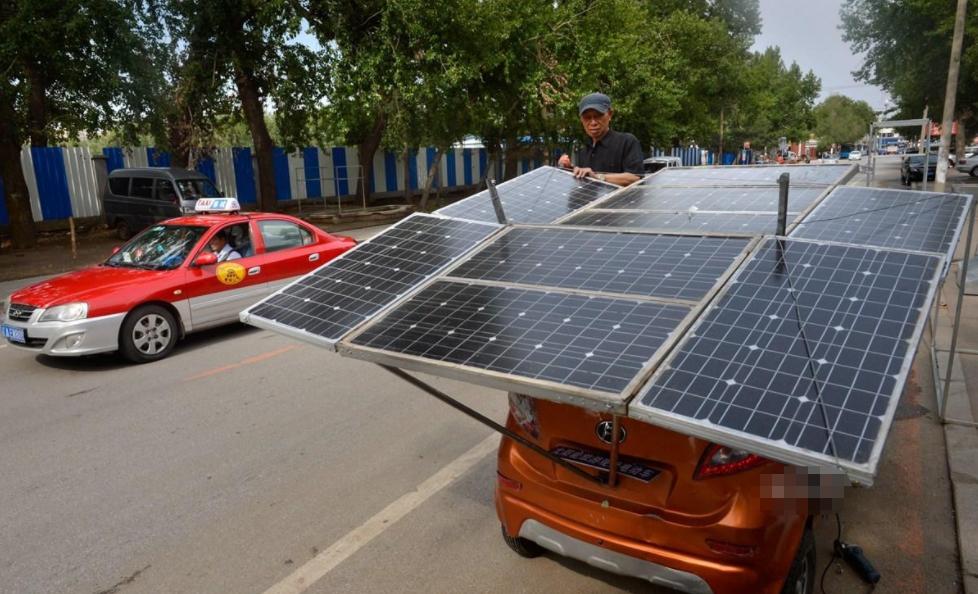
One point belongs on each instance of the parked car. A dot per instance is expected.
(137, 198)
(968, 165)
(831, 158)
(654, 164)
(855, 155)
(165, 283)
(687, 514)
(912, 168)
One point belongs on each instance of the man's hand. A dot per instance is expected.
(582, 172)
(564, 161)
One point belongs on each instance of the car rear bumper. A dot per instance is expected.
(679, 559)
(68, 339)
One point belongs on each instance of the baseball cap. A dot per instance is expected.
(596, 101)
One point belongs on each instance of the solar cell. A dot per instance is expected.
(570, 342)
(694, 222)
(916, 221)
(744, 199)
(668, 266)
(540, 196)
(326, 304)
(749, 175)
(804, 358)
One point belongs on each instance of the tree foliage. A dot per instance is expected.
(840, 119)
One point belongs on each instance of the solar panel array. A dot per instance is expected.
(669, 266)
(916, 221)
(540, 196)
(735, 199)
(806, 353)
(325, 305)
(749, 175)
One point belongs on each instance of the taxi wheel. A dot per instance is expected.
(123, 231)
(801, 576)
(148, 333)
(521, 546)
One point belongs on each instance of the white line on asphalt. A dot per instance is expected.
(303, 577)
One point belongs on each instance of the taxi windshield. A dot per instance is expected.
(161, 247)
(195, 189)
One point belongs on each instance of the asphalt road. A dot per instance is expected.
(231, 465)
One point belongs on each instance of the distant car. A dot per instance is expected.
(136, 198)
(968, 165)
(892, 149)
(912, 168)
(831, 158)
(855, 155)
(164, 283)
(653, 164)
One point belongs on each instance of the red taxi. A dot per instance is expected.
(167, 282)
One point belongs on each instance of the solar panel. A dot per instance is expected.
(901, 219)
(693, 222)
(744, 199)
(574, 344)
(326, 304)
(749, 175)
(669, 266)
(805, 356)
(540, 196)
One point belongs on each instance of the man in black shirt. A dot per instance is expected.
(615, 157)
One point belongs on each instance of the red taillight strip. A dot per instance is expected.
(727, 548)
(507, 482)
(704, 470)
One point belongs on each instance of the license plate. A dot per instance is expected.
(14, 334)
(602, 462)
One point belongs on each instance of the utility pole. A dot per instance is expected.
(947, 123)
(924, 131)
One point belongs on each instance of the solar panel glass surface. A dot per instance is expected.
(693, 222)
(744, 198)
(748, 175)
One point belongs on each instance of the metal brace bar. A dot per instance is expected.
(957, 314)
(493, 424)
(497, 203)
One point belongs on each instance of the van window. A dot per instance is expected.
(142, 187)
(119, 186)
(165, 190)
(282, 235)
(195, 189)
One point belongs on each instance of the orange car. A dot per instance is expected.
(684, 513)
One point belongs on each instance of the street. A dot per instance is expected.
(246, 457)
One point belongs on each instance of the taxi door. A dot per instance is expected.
(292, 250)
(218, 292)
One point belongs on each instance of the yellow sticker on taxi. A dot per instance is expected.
(230, 273)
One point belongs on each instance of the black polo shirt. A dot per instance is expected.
(616, 152)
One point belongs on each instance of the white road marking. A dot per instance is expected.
(304, 577)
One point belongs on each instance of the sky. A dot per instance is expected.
(807, 33)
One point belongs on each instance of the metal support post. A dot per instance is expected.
(493, 424)
(615, 443)
(497, 204)
(957, 314)
(782, 204)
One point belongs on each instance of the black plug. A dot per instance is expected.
(854, 556)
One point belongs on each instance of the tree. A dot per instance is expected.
(71, 66)
(840, 119)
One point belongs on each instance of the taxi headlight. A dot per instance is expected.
(65, 313)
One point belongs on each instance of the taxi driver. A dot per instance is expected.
(219, 245)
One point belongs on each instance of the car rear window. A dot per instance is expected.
(282, 235)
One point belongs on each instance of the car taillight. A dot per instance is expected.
(727, 548)
(720, 460)
(962, 161)
(524, 411)
(507, 482)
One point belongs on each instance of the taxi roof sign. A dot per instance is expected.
(228, 205)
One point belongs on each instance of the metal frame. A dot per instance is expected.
(248, 317)
(300, 182)
(863, 473)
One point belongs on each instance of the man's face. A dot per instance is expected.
(217, 243)
(596, 123)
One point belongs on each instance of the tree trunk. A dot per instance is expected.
(512, 159)
(178, 137)
(432, 171)
(961, 139)
(406, 167)
(37, 107)
(255, 115)
(15, 193)
(367, 148)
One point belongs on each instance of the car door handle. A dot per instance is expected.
(313, 257)
(254, 270)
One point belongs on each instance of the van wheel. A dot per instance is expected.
(801, 576)
(973, 172)
(123, 231)
(148, 333)
(521, 546)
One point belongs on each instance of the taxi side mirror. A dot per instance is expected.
(205, 259)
